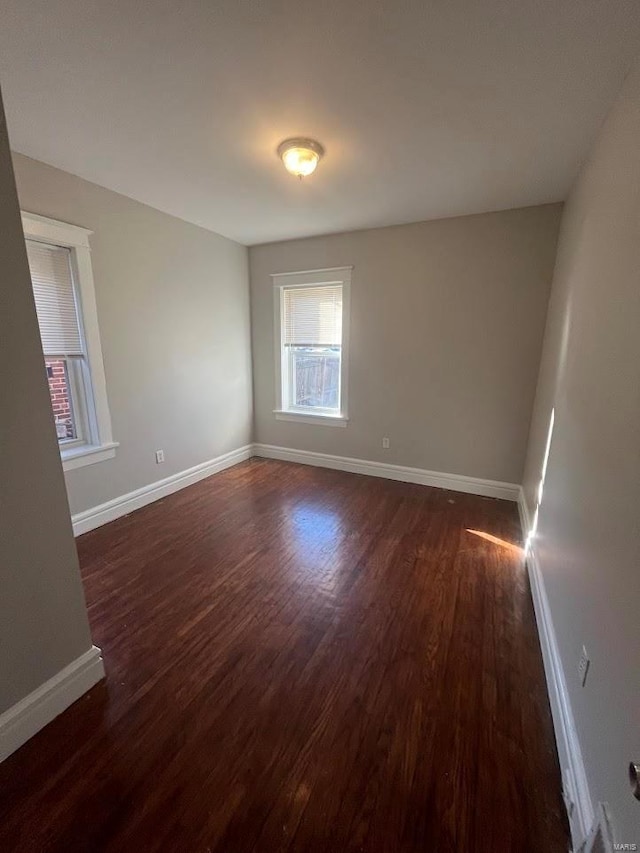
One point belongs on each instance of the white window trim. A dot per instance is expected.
(102, 446)
(308, 278)
(308, 418)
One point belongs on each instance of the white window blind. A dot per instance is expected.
(55, 299)
(313, 316)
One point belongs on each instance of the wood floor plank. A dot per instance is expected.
(300, 659)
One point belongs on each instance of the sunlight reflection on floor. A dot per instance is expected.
(497, 541)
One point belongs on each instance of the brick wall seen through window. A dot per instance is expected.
(58, 377)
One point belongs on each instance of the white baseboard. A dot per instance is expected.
(455, 482)
(576, 786)
(32, 713)
(109, 511)
(98, 515)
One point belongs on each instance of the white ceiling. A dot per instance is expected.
(426, 108)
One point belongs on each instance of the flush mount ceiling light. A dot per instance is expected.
(300, 156)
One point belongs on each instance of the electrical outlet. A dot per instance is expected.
(159, 456)
(385, 443)
(583, 666)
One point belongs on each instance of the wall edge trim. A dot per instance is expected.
(32, 713)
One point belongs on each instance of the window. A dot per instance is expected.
(62, 280)
(312, 320)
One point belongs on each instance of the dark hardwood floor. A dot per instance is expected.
(306, 660)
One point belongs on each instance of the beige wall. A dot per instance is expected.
(447, 319)
(173, 311)
(43, 621)
(588, 537)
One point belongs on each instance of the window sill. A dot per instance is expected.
(88, 454)
(318, 420)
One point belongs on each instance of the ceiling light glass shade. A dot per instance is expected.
(300, 156)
